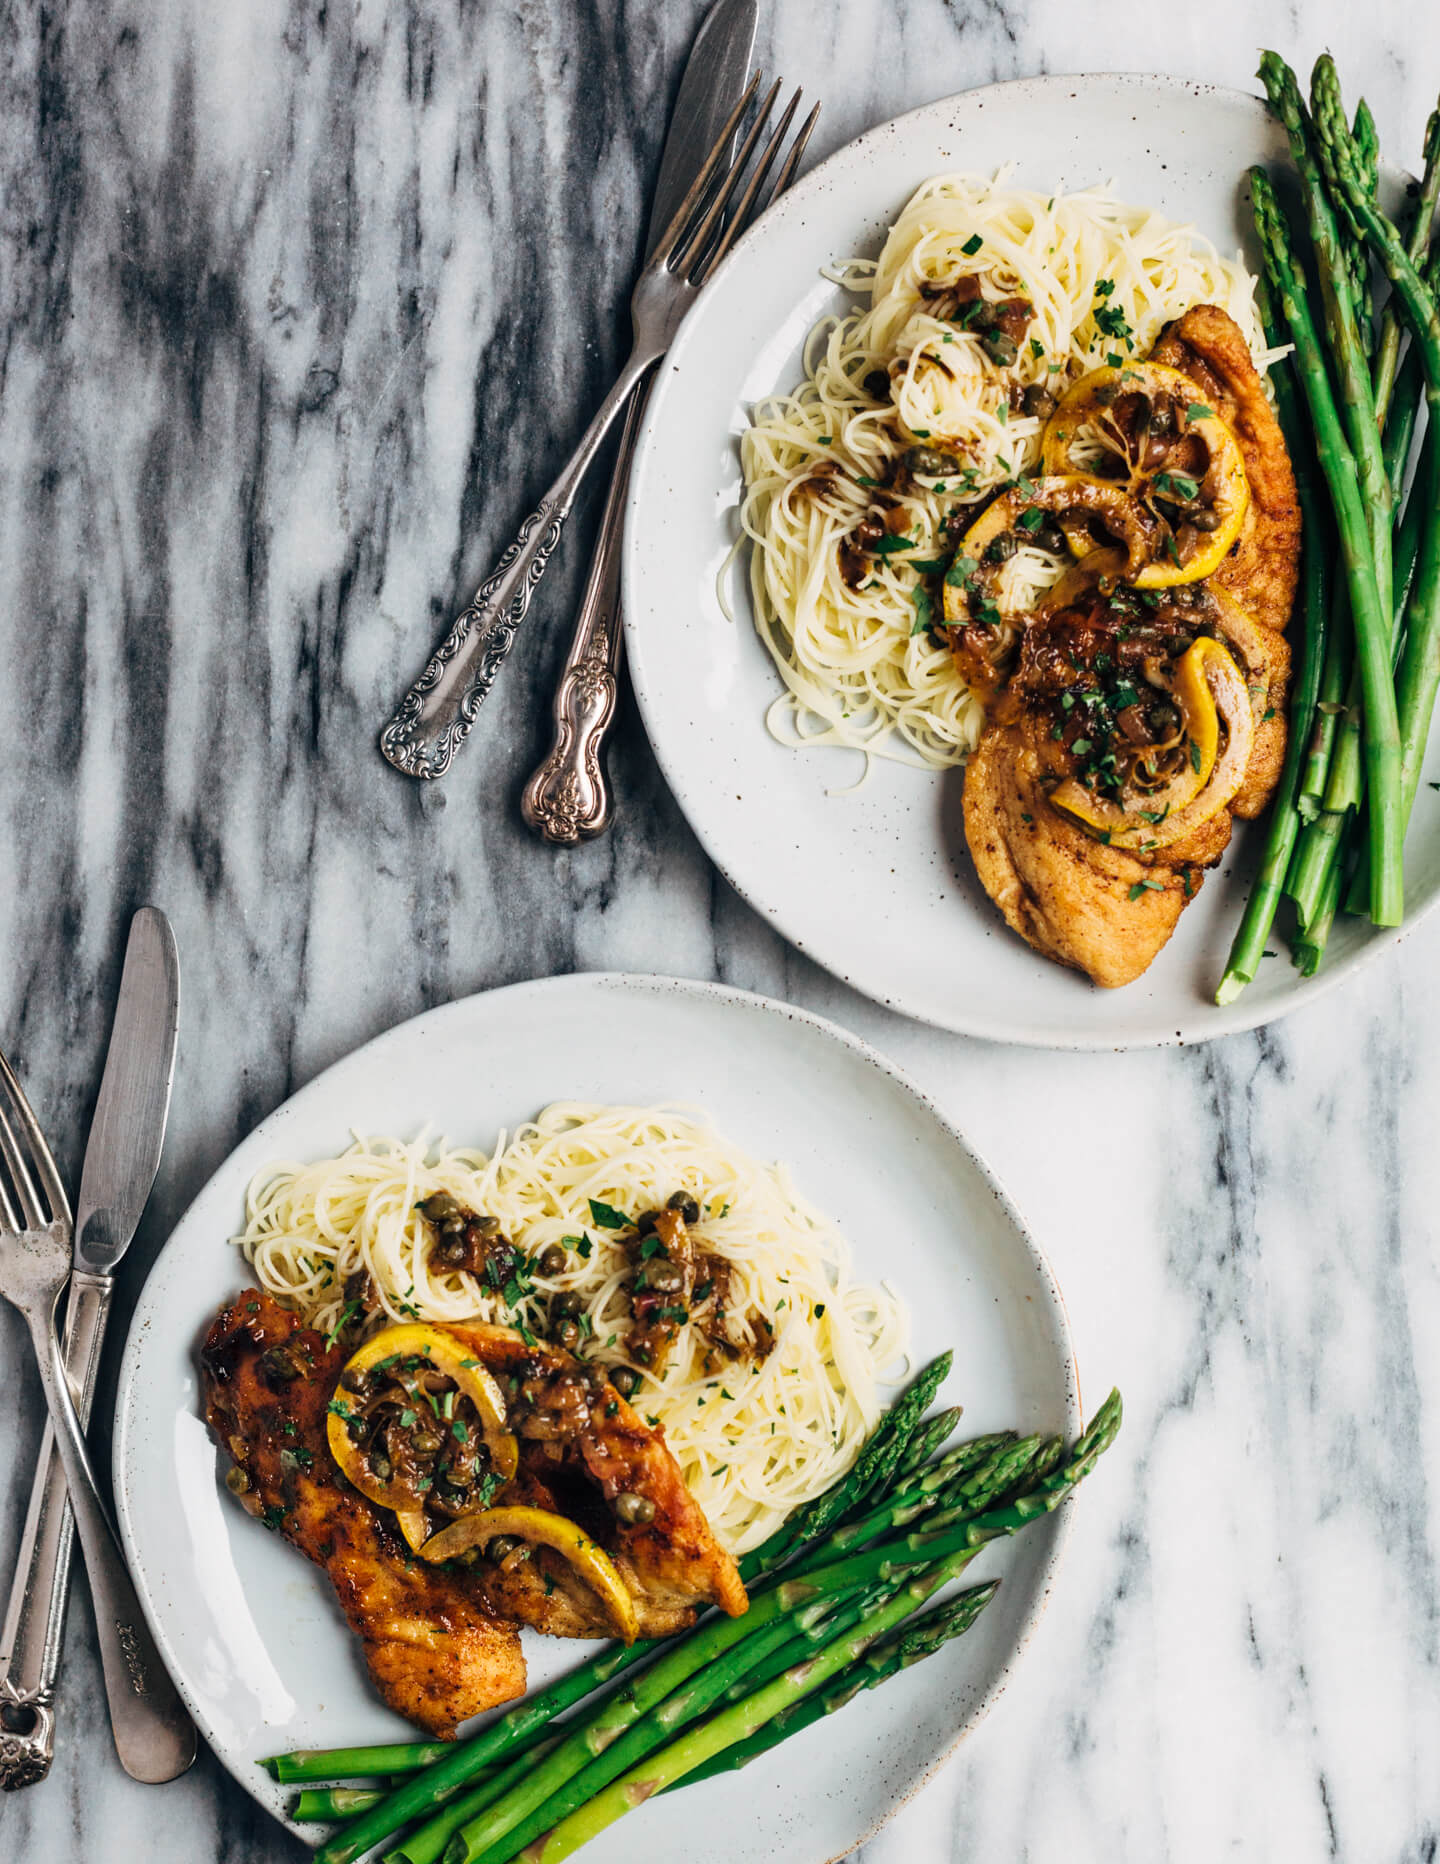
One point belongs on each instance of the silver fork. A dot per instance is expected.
(154, 1735)
(435, 716)
(567, 798)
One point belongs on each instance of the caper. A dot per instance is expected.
(624, 1380)
(1038, 401)
(999, 348)
(685, 1204)
(634, 1510)
(553, 1260)
(1050, 537)
(502, 1547)
(646, 1221)
(877, 385)
(467, 1557)
(1203, 518)
(426, 1442)
(932, 462)
(278, 1365)
(644, 1355)
(666, 1276)
(487, 1226)
(566, 1306)
(452, 1252)
(356, 1379)
(1000, 549)
(381, 1468)
(237, 1481)
(438, 1206)
(567, 1334)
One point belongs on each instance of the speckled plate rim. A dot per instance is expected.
(1207, 1021)
(583, 985)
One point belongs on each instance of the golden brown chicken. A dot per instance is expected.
(439, 1635)
(1139, 713)
(438, 1653)
(587, 1455)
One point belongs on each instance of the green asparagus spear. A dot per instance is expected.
(354, 1763)
(1419, 677)
(870, 1472)
(1284, 825)
(1372, 622)
(913, 1642)
(1418, 239)
(1353, 250)
(425, 1843)
(932, 1433)
(322, 1805)
(1356, 415)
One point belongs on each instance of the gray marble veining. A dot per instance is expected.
(300, 305)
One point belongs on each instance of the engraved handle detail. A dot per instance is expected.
(31, 1641)
(568, 798)
(434, 718)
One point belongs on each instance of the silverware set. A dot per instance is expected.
(42, 1251)
(567, 798)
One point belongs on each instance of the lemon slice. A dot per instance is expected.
(543, 1529)
(1210, 690)
(1147, 430)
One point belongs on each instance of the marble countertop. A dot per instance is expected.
(290, 336)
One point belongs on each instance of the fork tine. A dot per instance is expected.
(10, 1218)
(684, 261)
(792, 161)
(670, 239)
(31, 1165)
(740, 218)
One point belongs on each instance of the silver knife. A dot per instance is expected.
(568, 799)
(122, 1157)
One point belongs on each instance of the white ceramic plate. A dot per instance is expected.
(249, 1629)
(878, 887)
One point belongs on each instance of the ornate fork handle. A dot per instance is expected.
(35, 1624)
(434, 718)
(567, 798)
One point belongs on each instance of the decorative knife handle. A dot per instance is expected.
(34, 1631)
(567, 798)
(434, 718)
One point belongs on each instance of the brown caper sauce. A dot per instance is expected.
(420, 1435)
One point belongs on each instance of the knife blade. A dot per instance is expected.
(123, 1153)
(122, 1156)
(714, 79)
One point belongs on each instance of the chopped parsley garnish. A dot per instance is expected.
(606, 1217)
(923, 615)
(972, 245)
(1037, 348)
(1030, 520)
(887, 546)
(407, 1419)
(346, 1315)
(1141, 886)
(1197, 411)
(1104, 287)
(460, 1430)
(960, 571)
(1177, 485)
(652, 1246)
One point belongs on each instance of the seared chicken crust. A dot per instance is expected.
(437, 1652)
